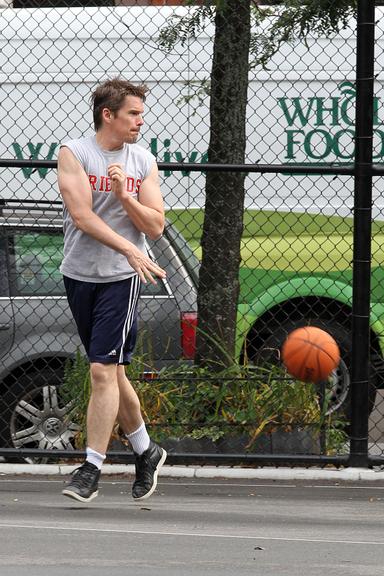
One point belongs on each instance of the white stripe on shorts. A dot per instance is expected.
(132, 302)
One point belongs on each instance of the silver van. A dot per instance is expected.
(38, 334)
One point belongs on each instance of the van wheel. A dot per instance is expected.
(34, 414)
(338, 386)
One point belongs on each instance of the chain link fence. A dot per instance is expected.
(296, 247)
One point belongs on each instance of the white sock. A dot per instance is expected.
(139, 439)
(95, 458)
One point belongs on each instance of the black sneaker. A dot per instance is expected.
(147, 467)
(83, 486)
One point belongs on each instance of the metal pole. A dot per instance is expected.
(362, 231)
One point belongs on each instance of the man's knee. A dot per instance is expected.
(103, 375)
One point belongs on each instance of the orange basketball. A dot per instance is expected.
(310, 354)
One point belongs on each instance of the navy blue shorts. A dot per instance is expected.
(106, 317)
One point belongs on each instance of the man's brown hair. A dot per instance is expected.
(111, 94)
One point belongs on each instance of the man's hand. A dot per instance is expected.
(143, 265)
(118, 180)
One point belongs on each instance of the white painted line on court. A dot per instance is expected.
(192, 534)
(340, 487)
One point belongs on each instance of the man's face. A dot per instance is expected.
(127, 121)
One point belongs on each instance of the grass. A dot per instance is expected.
(261, 223)
(289, 242)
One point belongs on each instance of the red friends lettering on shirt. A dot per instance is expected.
(103, 184)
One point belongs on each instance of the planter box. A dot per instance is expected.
(279, 441)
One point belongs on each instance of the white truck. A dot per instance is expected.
(300, 110)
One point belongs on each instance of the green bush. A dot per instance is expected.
(196, 403)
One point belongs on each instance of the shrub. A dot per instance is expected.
(193, 402)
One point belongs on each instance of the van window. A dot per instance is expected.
(35, 258)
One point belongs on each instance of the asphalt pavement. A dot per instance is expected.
(191, 527)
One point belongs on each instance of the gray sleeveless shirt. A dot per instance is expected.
(84, 257)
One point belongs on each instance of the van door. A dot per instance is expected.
(6, 312)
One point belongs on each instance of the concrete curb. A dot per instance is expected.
(347, 474)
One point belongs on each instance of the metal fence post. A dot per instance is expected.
(362, 232)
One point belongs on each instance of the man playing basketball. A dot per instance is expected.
(112, 199)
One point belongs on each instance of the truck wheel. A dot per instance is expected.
(339, 382)
(34, 414)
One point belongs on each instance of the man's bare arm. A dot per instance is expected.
(147, 213)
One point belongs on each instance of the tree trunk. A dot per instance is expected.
(223, 220)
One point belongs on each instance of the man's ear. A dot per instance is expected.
(108, 115)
